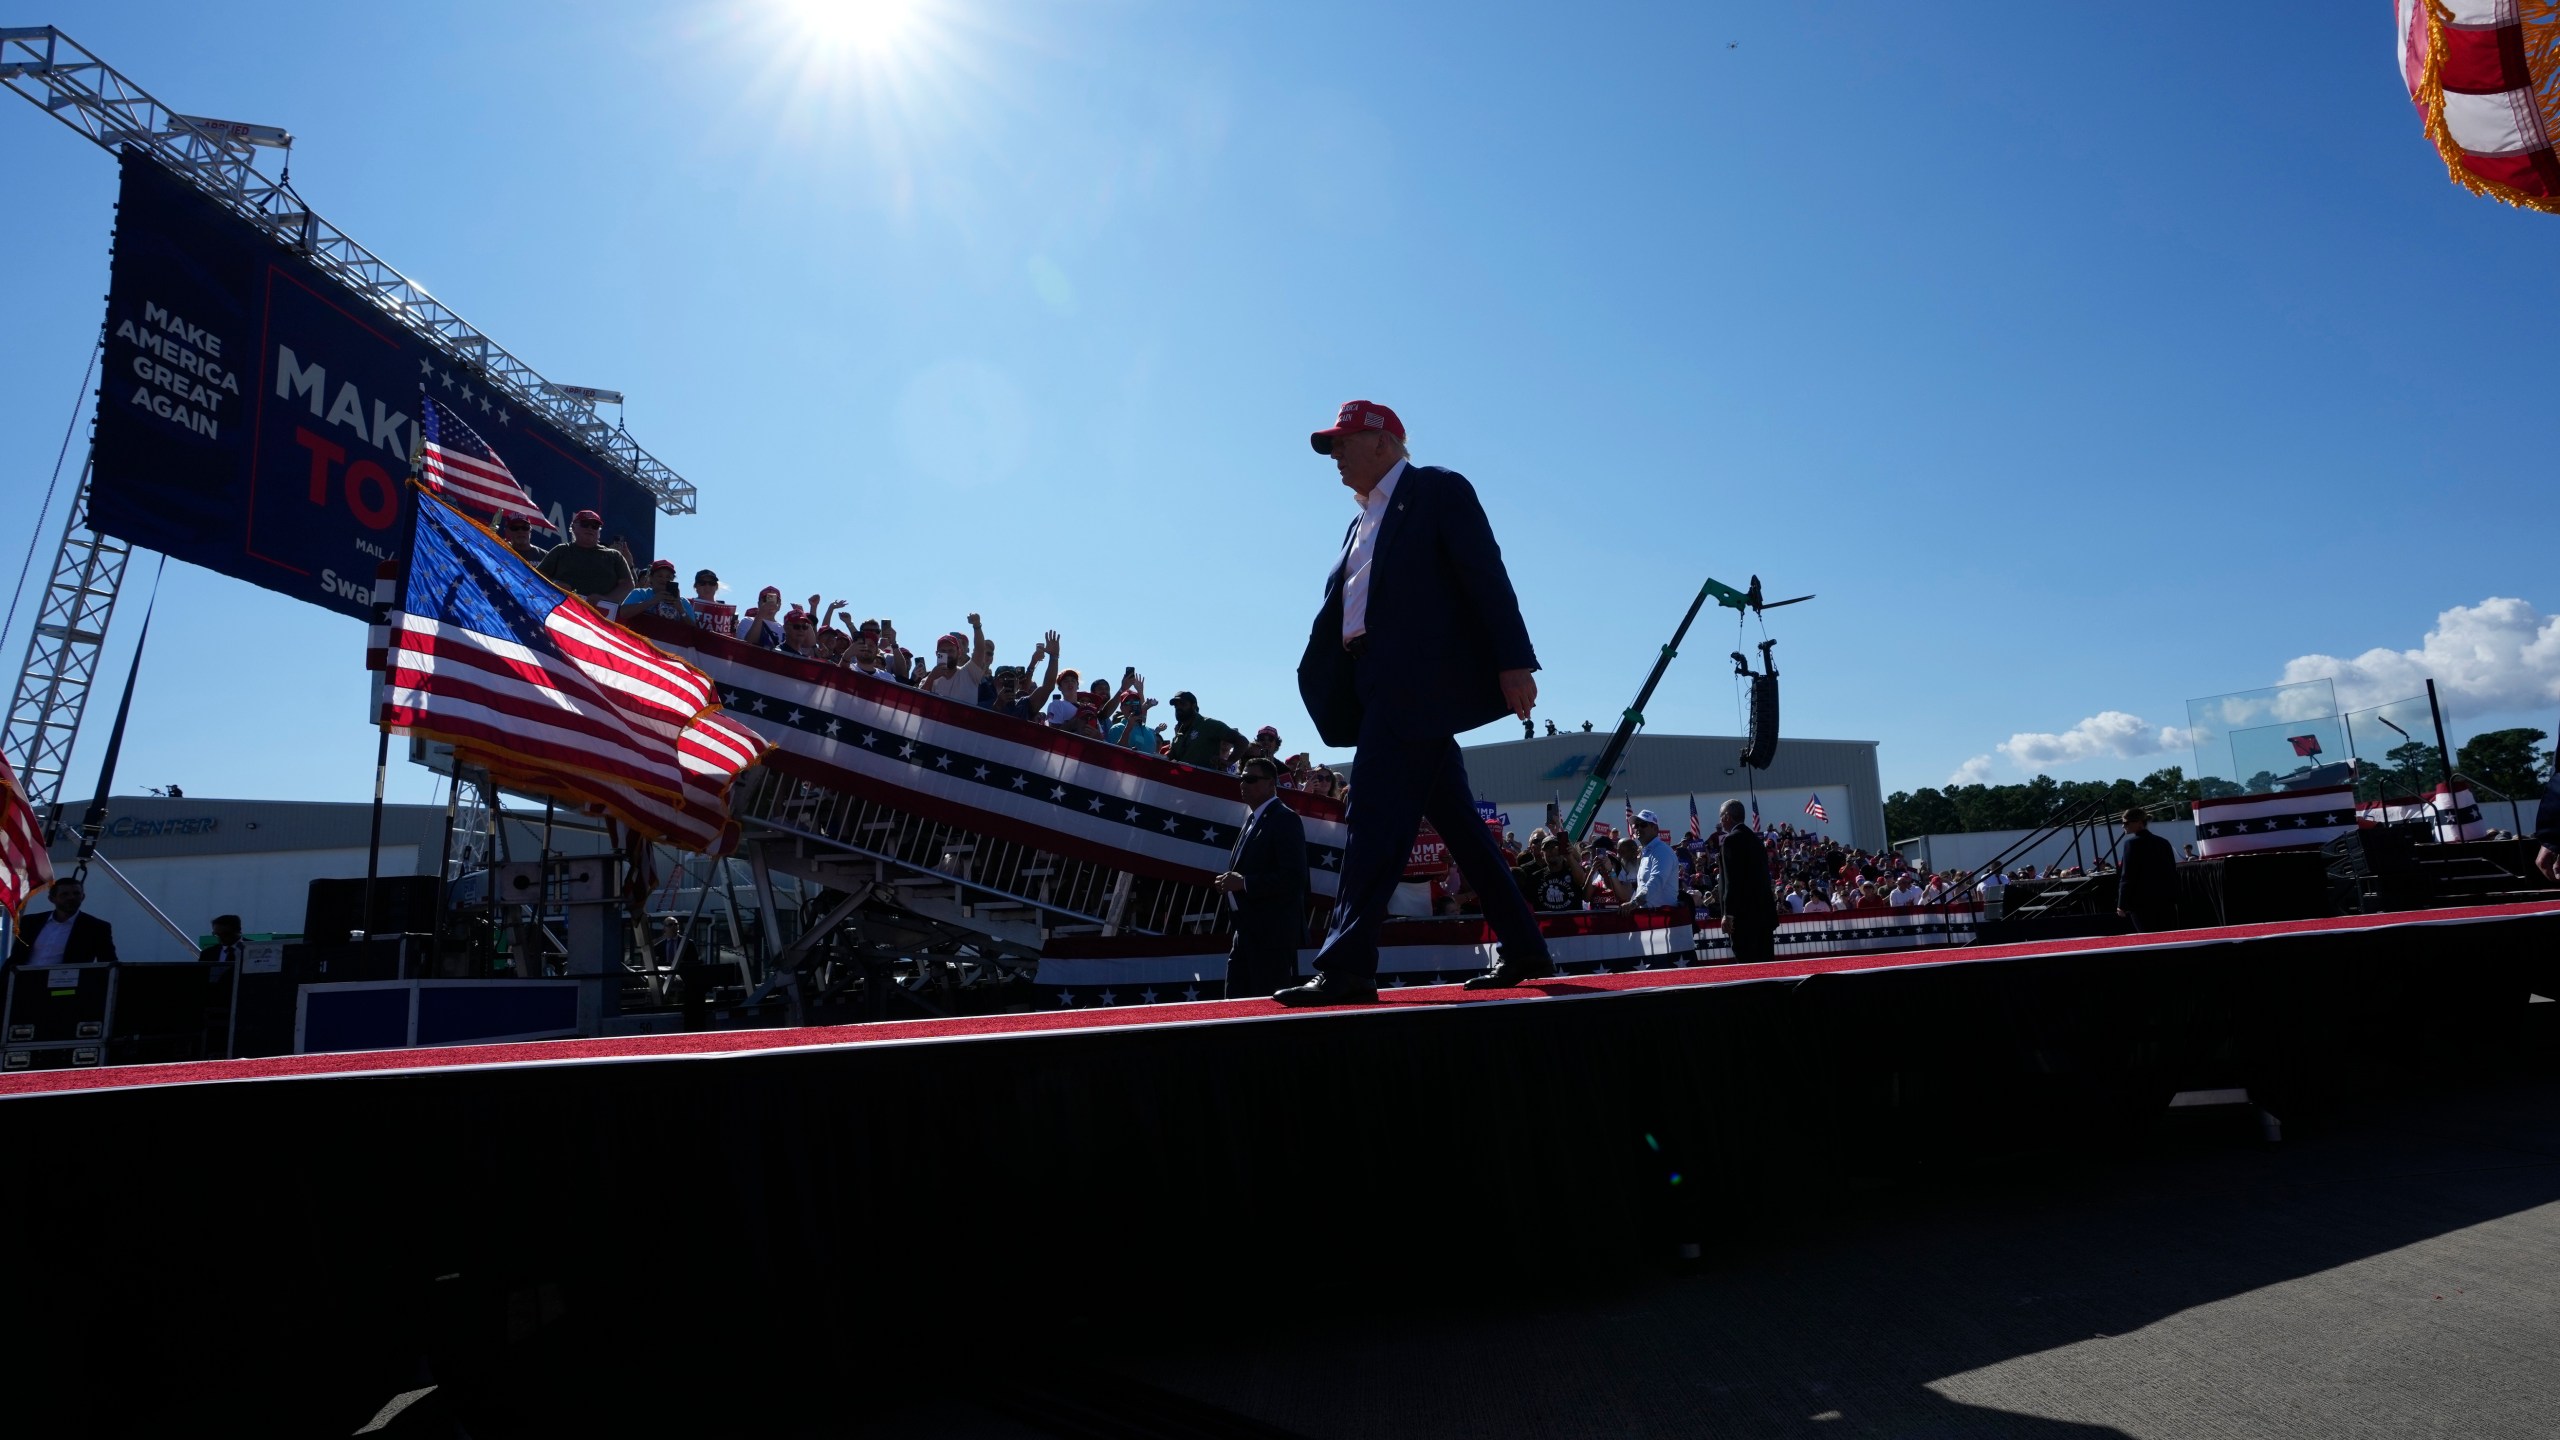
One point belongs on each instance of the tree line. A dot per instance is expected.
(2510, 762)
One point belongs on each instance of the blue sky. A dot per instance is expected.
(2080, 366)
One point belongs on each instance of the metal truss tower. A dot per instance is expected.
(220, 158)
(62, 655)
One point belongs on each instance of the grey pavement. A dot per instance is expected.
(2391, 1271)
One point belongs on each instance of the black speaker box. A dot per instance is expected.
(401, 904)
(1761, 746)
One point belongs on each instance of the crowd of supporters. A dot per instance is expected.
(961, 666)
(1809, 873)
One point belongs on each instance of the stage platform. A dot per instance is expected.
(465, 1209)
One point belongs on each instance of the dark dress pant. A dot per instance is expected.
(1752, 944)
(1259, 967)
(1397, 783)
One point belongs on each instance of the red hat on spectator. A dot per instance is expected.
(667, 565)
(1267, 733)
(1356, 416)
(773, 590)
(953, 641)
(795, 616)
(586, 517)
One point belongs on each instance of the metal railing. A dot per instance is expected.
(983, 876)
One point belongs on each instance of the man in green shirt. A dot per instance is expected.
(586, 566)
(1199, 740)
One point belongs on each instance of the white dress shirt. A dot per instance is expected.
(1364, 550)
(52, 937)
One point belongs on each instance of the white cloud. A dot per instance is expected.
(2498, 657)
(2107, 734)
(2495, 657)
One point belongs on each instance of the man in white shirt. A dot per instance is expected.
(1657, 880)
(1906, 893)
(1419, 639)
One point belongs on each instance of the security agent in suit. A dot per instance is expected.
(1419, 638)
(2146, 877)
(1743, 897)
(1266, 883)
(81, 939)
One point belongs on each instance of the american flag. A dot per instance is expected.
(1813, 807)
(1693, 818)
(455, 462)
(520, 678)
(25, 868)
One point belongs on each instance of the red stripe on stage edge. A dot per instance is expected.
(2484, 60)
(743, 1042)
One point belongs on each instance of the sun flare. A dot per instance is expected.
(871, 27)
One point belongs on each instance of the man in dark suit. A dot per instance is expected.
(65, 937)
(1743, 897)
(225, 949)
(2146, 877)
(1266, 883)
(1419, 638)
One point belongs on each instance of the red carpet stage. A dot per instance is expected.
(313, 1230)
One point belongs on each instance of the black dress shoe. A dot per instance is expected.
(1507, 972)
(1326, 990)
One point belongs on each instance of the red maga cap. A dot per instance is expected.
(589, 517)
(1356, 416)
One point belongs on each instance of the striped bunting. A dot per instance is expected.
(2287, 820)
(2453, 815)
(967, 766)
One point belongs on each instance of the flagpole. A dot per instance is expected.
(382, 699)
(373, 845)
(444, 867)
(2444, 756)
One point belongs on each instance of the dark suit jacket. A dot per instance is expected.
(92, 939)
(1272, 858)
(1743, 896)
(2148, 879)
(1443, 622)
